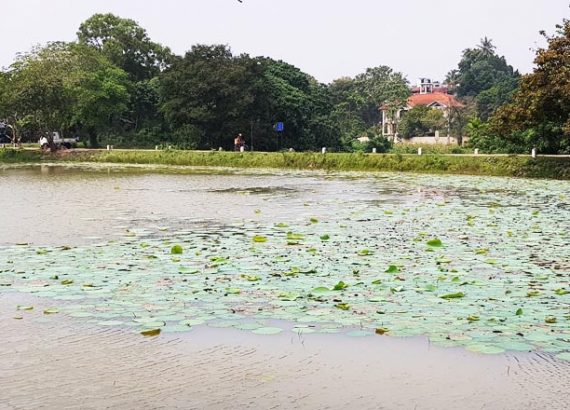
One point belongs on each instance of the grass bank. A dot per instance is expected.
(515, 166)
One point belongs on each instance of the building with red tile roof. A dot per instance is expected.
(427, 93)
(435, 99)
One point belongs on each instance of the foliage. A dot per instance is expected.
(65, 86)
(480, 68)
(219, 94)
(429, 149)
(482, 138)
(116, 85)
(4, 109)
(205, 89)
(539, 113)
(484, 77)
(357, 101)
(37, 86)
(420, 121)
(457, 119)
(125, 44)
(375, 139)
(491, 99)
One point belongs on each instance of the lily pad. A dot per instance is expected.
(151, 332)
(177, 250)
(435, 243)
(456, 295)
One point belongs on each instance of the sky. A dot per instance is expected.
(328, 39)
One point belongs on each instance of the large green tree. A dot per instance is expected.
(479, 69)
(357, 101)
(37, 89)
(491, 99)
(283, 93)
(4, 95)
(65, 85)
(125, 44)
(540, 112)
(210, 95)
(484, 78)
(206, 90)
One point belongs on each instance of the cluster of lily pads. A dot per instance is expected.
(486, 269)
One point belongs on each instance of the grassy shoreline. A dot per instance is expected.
(510, 166)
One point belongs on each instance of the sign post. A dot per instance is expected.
(279, 128)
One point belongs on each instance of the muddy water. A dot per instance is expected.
(70, 364)
(66, 205)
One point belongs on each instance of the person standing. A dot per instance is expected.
(238, 142)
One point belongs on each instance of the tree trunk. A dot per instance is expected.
(93, 143)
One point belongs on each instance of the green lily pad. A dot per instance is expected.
(456, 295)
(151, 332)
(177, 250)
(392, 269)
(435, 243)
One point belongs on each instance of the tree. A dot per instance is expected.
(539, 115)
(420, 121)
(205, 89)
(284, 93)
(381, 85)
(37, 88)
(350, 109)
(458, 118)
(3, 95)
(489, 100)
(487, 47)
(65, 85)
(99, 92)
(211, 95)
(480, 69)
(357, 101)
(125, 44)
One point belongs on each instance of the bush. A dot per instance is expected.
(375, 140)
(430, 149)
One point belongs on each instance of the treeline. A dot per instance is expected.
(114, 85)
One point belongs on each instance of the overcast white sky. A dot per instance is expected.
(325, 38)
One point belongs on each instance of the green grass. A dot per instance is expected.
(516, 166)
(9, 155)
(429, 149)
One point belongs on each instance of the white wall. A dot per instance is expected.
(429, 140)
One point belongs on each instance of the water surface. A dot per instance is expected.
(460, 264)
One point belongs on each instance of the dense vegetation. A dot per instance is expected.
(114, 85)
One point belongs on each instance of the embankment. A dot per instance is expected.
(513, 166)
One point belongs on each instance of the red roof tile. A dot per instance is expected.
(427, 99)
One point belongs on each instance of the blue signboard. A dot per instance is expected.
(280, 127)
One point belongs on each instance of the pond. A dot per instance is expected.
(480, 263)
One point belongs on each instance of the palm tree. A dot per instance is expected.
(487, 47)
